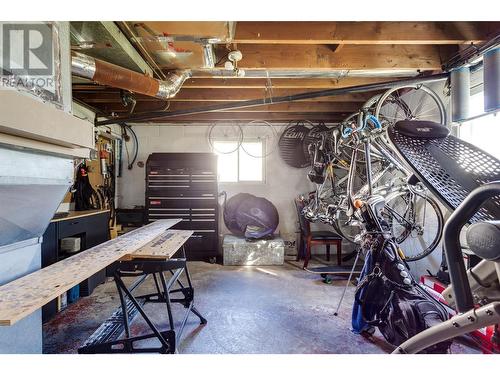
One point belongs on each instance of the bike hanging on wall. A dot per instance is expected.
(414, 215)
(464, 179)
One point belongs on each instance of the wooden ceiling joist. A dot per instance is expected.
(350, 57)
(340, 107)
(378, 51)
(280, 83)
(364, 32)
(260, 83)
(218, 95)
(250, 116)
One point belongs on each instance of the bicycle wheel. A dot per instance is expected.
(416, 102)
(225, 133)
(261, 131)
(348, 228)
(416, 222)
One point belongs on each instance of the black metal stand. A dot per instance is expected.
(106, 338)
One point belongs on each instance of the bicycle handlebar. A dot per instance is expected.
(367, 119)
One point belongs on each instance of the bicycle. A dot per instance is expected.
(408, 209)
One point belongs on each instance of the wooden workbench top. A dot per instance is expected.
(77, 214)
(27, 294)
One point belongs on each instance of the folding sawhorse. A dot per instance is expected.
(169, 290)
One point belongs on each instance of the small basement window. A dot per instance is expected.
(240, 164)
(484, 131)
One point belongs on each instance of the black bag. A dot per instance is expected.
(391, 300)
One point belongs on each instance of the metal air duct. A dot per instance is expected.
(109, 74)
(492, 80)
(460, 93)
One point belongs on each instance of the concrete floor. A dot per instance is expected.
(249, 310)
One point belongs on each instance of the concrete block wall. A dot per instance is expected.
(282, 182)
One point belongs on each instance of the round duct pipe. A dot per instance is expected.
(113, 75)
(460, 93)
(491, 72)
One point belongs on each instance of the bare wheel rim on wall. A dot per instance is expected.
(225, 132)
(261, 131)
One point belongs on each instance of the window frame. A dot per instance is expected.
(263, 161)
(476, 117)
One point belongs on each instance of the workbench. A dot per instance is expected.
(23, 296)
(144, 252)
(155, 260)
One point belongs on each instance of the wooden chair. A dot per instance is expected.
(309, 238)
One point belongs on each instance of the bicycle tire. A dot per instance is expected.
(439, 225)
(212, 138)
(394, 93)
(269, 146)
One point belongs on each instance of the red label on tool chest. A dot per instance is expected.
(155, 202)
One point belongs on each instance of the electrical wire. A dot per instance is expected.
(126, 127)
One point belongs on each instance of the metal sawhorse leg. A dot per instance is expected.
(106, 338)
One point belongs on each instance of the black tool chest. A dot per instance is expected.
(184, 185)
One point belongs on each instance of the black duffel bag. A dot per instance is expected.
(389, 298)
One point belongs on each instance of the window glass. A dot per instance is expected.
(483, 132)
(239, 165)
(251, 166)
(227, 163)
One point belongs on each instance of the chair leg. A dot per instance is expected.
(339, 252)
(300, 247)
(307, 252)
(327, 252)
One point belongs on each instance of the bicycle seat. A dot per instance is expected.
(412, 180)
(448, 166)
(483, 239)
(421, 129)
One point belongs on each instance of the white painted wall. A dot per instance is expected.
(282, 183)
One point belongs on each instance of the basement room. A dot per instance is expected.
(240, 184)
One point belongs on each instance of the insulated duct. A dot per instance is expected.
(460, 93)
(112, 75)
(491, 76)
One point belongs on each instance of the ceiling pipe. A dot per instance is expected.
(306, 73)
(112, 75)
(277, 99)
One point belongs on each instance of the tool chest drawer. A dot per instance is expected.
(165, 198)
(184, 186)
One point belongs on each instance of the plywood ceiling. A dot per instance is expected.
(376, 49)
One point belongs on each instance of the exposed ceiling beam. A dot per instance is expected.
(203, 29)
(279, 83)
(340, 107)
(218, 95)
(364, 32)
(335, 92)
(351, 57)
(250, 116)
(260, 83)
